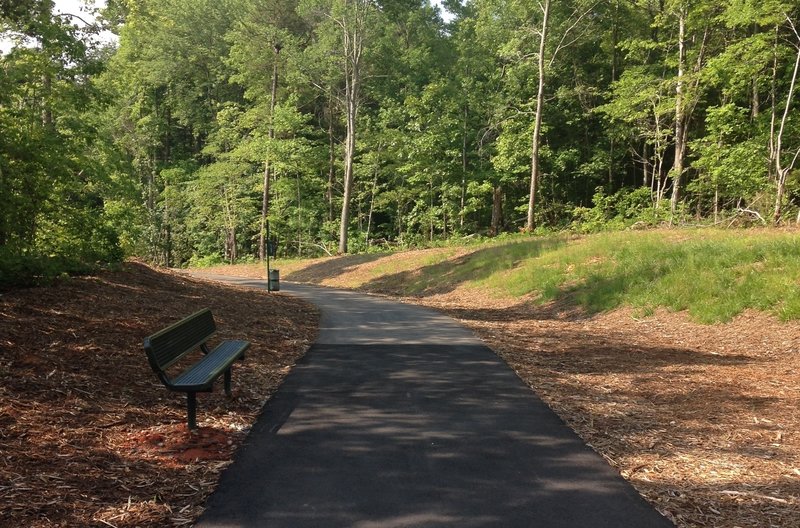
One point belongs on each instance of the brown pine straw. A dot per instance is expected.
(88, 435)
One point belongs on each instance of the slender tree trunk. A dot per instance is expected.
(537, 126)
(331, 163)
(782, 170)
(299, 219)
(3, 214)
(262, 243)
(230, 228)
(353, 27)
(462, 213)
(372, 205)
(430, 210)
(773, 96)
(680, 123)
(349, 154)
(755, 101)
(47, 109)
(614, 67)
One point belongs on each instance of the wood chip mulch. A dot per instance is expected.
(88, 435)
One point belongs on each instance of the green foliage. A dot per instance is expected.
(158, 148)
(730, 166)
(55, 165)
(623, 209)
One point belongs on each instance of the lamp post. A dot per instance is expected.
(268, 250)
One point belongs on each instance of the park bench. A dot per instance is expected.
(166, 348)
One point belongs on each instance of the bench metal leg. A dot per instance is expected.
(228, 382)
(191, 406)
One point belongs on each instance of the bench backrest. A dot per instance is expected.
(166, 347)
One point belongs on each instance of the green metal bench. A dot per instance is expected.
(165, 348)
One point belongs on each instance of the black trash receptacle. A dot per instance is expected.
(274, 280)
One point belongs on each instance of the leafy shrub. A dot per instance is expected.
(206, 261)
(61, 256)
(620, 210)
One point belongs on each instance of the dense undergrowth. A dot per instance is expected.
(713, 274)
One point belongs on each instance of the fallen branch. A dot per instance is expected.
(323, 248)
(740, 211)
(754, 213)
(755, 496)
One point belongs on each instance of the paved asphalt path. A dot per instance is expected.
(398, 416)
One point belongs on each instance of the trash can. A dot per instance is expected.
(274, 280)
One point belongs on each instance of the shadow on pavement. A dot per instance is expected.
(417, 435)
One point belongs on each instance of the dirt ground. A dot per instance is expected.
(703, 420)
(88, 435)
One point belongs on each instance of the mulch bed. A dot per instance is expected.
(88, 435)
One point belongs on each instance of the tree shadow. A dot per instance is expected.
(332, 267)
(478, 265)
(423, 435)
(672, 413)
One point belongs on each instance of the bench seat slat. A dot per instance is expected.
(201, 376)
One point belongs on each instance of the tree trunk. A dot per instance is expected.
(371, 206)
(680, 124)
(4, 228)
(782, 170)
(461, 213)
(230, 228)
(299, 219)
(349, 153)
(262, 242)
(773, 97)
(353, 27)
(430, 210)
(755, 100)
(537, 126)
(331, 164)
(47, 109)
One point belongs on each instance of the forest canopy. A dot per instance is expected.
(211, 126)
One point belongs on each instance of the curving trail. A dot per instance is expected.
(398, 416)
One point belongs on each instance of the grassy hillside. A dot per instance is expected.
(713, 274)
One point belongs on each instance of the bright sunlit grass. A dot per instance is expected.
(714, 275)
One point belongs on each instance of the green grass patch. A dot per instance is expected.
(714, 275)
